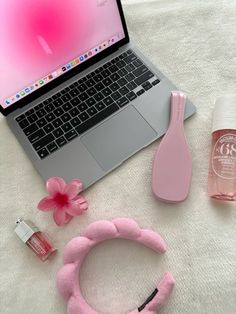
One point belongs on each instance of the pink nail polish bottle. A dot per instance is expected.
(34, 239)
(222, 168)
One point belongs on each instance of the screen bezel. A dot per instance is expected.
(78, 69)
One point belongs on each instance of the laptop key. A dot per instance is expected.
(122, 82)
(58, 112)
(113, 68)
(90, 102)
(29, 112)
(106, 73)
(67, 106)
(137, 63)
(48, 128)
(99, 96)
(75, 101)
(131, 96)
(107, 81)
(42, 122)
(116, 95)
(140, 92)
(114, 87)
(92, 91)
(58, 102)
(43, 153)
(82, 107)
(66, 127)
(41, 113)
(130, 67)
(130, 58)
(122, 101)
(30, 129)
(131, 85)
(143, 78)
(120, 64)
(130, 77)
(58, 122)
(123, 90)
(43, 142)
(74, 92)
(66, 97)
(32, 118)
(100, 106)
(49, 107)
(108, 101)
(52, 147)
(50, 117)
(90, 82)
(36, 136)
(39, 106)
(114, 77)
(61, 141)
(97, 118)
(83, 96)
(83, 116)
(75, 121)
(147, 85)
(82, 87)
(139, 71)
(58, 132)
(74, 112)
(92, 111)
(122, 72)
(99, 86)
(65, 117)
(98, 78)
(71, 135)
(21, 117)
(106, 91)
(155, 82)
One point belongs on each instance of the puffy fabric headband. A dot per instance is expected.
(76, 250)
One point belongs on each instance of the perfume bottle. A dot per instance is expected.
(34, 239)
(222, 168)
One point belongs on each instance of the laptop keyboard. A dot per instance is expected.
(86, 102)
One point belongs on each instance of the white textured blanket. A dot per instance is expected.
(193, 43)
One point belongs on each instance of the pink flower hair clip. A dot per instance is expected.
(63, 200)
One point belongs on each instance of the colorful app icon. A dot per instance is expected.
(96, 49)
(27, 90)
(7, 102)
(85, 56)
(22, 93)
(50, 76)
(63, 69)
(77, 61)
(90, 53)
(68, 66)
(41, 82)
(36, 85)
(72, 63)
(17, 96)
(81, 58)
(32, 87)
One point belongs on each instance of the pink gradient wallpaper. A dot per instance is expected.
(37, 37)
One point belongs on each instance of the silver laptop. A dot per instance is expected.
(77, 94)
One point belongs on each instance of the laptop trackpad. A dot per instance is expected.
(118, 138)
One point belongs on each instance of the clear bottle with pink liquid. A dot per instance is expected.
(222, 168)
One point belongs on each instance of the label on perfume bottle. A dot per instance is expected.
(224, 157)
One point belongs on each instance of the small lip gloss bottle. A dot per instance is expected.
(34, 239)
(222, 168)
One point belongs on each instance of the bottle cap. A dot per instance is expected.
(25, 229)
(224, 116)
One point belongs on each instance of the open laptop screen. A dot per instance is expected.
(41, 40)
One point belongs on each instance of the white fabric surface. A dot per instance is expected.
(193, 43)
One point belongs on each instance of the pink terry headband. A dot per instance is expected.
(77, 249)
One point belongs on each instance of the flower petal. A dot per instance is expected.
(77, 207)
(55, 185)
(46, 204)
(59, 217)
(68, 218)
(73, 188)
